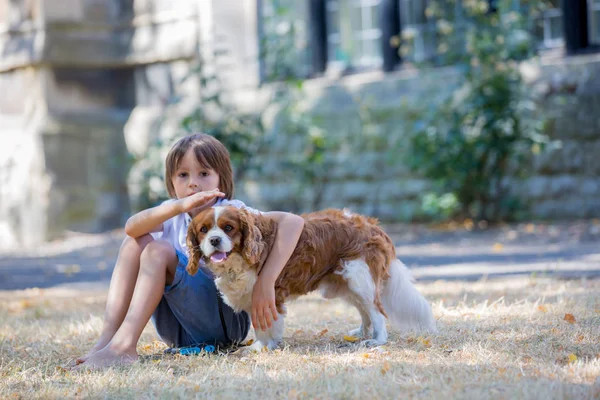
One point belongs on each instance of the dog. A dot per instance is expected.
(342, 254)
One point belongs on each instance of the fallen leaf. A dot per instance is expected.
(580, 338)
(572, 358)
(365, 355)
(542, 308)
(385, 368)
(249, 342)
(351, 339)
(529, 228)
(425, 342)
(147, 347)
(322, 333)
(468, 224)
(569, 318)
(498, 247)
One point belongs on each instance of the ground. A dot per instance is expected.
(518, 308)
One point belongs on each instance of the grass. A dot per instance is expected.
(506, 339)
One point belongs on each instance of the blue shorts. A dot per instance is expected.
(189, 312)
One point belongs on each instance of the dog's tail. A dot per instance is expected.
(406, 308)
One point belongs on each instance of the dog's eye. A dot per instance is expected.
(228, 228)
(203, 229)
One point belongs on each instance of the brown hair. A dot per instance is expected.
(210, 153)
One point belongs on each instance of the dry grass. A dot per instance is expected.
(498, 339)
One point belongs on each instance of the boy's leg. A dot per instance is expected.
(120, 290)
(168, 327)
(158, 264)
(191, 313)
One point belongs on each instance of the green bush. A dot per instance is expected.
(487, 127)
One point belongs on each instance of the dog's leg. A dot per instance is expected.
(271, 338)
(379, 329)
(365, 328)
(360, 283)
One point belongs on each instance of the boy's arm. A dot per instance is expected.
(263, 296)
(151, 220)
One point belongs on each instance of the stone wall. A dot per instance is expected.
(92, 83)
(564, 180)
(561, 182)
(75, 73)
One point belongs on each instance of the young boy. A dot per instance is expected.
(149, 279)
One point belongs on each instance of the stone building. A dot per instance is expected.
(88, 82)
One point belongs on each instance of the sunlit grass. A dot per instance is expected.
(498, 339)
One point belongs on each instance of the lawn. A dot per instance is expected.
(526, 337)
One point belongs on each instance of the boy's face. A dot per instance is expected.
(191, 177)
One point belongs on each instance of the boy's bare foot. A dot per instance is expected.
(108, 357)
(99, 346)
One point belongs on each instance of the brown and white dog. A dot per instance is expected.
(342, 254)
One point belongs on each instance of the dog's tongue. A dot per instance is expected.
(218, 256)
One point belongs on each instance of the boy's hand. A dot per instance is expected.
(199, 201)
(264, 311)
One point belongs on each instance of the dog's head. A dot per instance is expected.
(217, 232)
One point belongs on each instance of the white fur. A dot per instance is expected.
(362, 288)
(226, 244)
(272, 337)
(218, 211)
(406, 308)
(236, 284)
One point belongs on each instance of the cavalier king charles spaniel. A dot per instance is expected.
(341, 254)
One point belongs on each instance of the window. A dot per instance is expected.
(309, 38)
(594, 21)
(552, 33)
(353, 34)
(417, 28)
(548, 29)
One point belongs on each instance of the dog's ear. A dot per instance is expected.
(252, 242)
(194, 250)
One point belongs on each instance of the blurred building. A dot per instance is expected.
(87, 82)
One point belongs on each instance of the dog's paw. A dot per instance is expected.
(359, 333)
(272, 345)
(258, 347)
(254, 348)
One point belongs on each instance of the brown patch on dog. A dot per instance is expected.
(329, 238)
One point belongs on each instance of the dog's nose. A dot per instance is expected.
(215, 241)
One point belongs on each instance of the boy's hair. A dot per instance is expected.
(210, 153)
